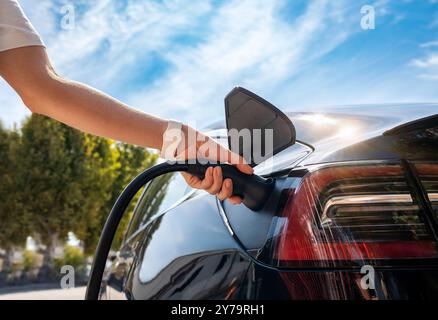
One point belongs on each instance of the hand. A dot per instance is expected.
(213, 181)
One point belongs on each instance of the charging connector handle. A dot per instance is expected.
(253, 189)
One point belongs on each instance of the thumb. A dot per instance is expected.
(239, 162)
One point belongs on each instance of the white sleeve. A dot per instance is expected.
(15, 29)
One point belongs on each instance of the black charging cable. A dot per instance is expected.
(253, 189)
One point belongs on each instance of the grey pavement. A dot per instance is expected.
(46, 294)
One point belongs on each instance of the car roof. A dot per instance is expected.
(322, 123)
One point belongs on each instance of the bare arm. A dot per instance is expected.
(43, 91)
(29, 72)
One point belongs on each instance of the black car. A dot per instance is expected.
(353, 215)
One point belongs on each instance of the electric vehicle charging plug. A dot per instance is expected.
(253, 189)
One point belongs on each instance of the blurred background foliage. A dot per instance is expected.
(55, 180)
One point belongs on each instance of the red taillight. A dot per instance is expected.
(350, 213)
(428, 175)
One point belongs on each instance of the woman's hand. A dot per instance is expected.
(206, 148)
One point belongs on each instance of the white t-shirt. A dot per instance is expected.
(15, 29)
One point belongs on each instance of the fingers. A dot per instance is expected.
(245, 168)
(208, 180)
(192, 181)
(211, 150)
(226, 191)
(235, 200)
(197, 183)
(227, 155)
(239, 162)
(207, 148)
(217, 181)
(214, 184)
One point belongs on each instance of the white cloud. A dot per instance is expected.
(427, 66)
(12, 109)
(249, 44)
(430, 61)
(428, 76)
(128, 36)
(241, 42)
(429, 44)
(246, 42)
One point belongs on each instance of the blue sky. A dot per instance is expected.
(178, 59)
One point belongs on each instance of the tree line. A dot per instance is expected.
(55, 179)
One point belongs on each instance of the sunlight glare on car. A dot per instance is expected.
(318, 119)
(348, 132)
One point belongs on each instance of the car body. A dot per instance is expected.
(353, 216)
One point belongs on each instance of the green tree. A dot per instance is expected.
(110, 166)
(132, 160)
(51, 159)
(57, 179)
(100, 172)
(14, 224)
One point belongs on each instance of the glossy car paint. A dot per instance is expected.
(358, 133)
(203, 249)
(187, 253)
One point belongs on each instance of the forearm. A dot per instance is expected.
(92, 111)
(29, 72)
